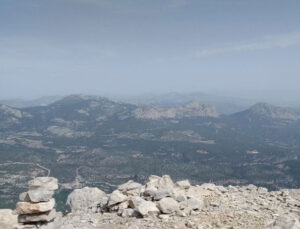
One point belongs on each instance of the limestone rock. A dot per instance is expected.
(146, 208)
(185, 184)
(128, 212)
(158, 184)
(168, 205)
(192, 203)
(43, 217)
(35, 208)
(39, 195)
(163, 193)
(286, 221)
(130, 185)
(87, 200)
(24, 197)
(135, 201)
(46, 183)
(116, 197)
(8, 219)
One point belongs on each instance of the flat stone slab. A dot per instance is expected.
(35, 208)
(43, 217)
(45, 183)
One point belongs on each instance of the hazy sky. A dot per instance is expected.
(136, 46)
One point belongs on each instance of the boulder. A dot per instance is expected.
(168, 205)
(163, 193)
(35, 208)
(130, 185)
(146, 208)
(46, 183)
(156, 184)
(142, 206)
(165, 182)
(184, 184)
(43, 217)
(116, 197)
(135, 201)
(87, 200)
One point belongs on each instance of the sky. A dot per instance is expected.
(234, 47)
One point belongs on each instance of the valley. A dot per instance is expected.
(93, 141)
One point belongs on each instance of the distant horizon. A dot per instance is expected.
(234, 48)
(291, 98)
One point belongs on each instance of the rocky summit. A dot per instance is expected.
(159, 203)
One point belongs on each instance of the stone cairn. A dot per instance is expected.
(37, 204)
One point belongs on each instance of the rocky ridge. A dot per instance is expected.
(273, 112)
(194, 109)
(162, 203)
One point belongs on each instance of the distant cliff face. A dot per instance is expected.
(190, 110)
(265, 110)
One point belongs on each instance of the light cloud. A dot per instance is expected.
(269, 42)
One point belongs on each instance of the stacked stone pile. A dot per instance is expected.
(162, 203)
(37, 204)
(159, 196)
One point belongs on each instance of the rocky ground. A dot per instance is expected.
(161, 203)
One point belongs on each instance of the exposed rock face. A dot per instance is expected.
(87, 200)
(194, 109)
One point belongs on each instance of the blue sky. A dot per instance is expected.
(60, 47)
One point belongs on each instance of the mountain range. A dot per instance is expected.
(94, 141)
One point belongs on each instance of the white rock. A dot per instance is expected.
(192, 203)
(135, 201)
(128, 212)
(146, 208)
(185, 184)
(8, 219)
(163, 193)
(116, 197)
(39, 195)
(130, 185)
(43, 217)
(47, 183)
(168, 205)
(286, 221)
(87, 200)
(35, 208)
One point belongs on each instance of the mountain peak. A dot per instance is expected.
(75, 98)
(274, 112)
